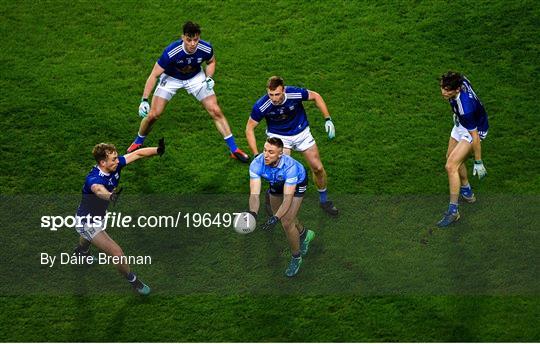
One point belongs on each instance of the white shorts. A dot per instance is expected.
(89, 230)
(299, 142)
(196, 86)
(461, 133)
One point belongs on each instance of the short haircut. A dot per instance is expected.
(191, 29)
(274, 82)
(102, 150)
(451, 80)
(275, 141)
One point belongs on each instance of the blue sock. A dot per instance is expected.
(466, 190)
(296, 255)
(322, 195)
(452, 208)
(230, 142)
(139, 139)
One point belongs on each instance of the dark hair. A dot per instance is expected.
(191, 29)
(274, 82)
(451, 80)
(101, 150)
(275, 141)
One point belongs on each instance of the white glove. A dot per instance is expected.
(209, 83)
(330, 129)
(144, 108)
(479, 169)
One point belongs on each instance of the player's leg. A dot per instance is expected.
(106, 244)
(156, 109)
(211, 105)
(313, 158)
(289, 224)
(457, 154)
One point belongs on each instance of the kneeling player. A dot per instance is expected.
(99, 189)
(288, 182)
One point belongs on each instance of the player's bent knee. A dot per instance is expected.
(451, 166)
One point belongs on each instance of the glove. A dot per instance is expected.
(270, 224)
(144, 108)
(209, 83)
(479, 169)
(115, 194)
(330, 129)
(161, 146)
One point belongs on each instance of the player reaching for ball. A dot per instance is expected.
(288, 183)
(101, 188)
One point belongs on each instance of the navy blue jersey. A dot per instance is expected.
(287, 172)
(90, 203)
(286, 119)
(468, 109)
(181, 65)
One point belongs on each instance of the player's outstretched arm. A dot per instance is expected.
(250, 135)
(321, 105)
(146, 152)
(254, 192)
(100, 191)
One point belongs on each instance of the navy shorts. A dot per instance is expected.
(277, 189)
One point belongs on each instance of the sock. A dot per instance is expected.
(452, 208)
(139, 139)
(322, 195)
(466, 190)
(296, 255)
(303, 234)
(230, 142)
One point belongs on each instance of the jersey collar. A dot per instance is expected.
(101, 171)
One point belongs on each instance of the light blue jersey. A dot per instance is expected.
(287, 172)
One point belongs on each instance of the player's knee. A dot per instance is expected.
(318, 169)
(153, 116)
(216, 113)
(451, 166)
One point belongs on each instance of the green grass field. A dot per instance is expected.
(73, 74)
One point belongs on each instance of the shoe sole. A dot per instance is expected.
(133, 150)
(468, 199)
(448, 225)
(240, 157)
(330, 212)
(295, 272)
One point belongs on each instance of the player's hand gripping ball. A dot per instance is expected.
(244, 223)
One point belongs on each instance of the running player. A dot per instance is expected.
(288, 182)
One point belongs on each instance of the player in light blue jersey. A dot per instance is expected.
(286, 119)
(288, 182)
(180, 67)
(101, 188)
(470, 128)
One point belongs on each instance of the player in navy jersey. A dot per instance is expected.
(470, 128)
(288, 182)
(180, 67)
(286, 119)
(99, 189)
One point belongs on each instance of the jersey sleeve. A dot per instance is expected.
(255, 169)
(91, 180)
(256, 113)
(210, 55)
(164, 60)
(121, 162)
(304, 93)
(291, 176)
